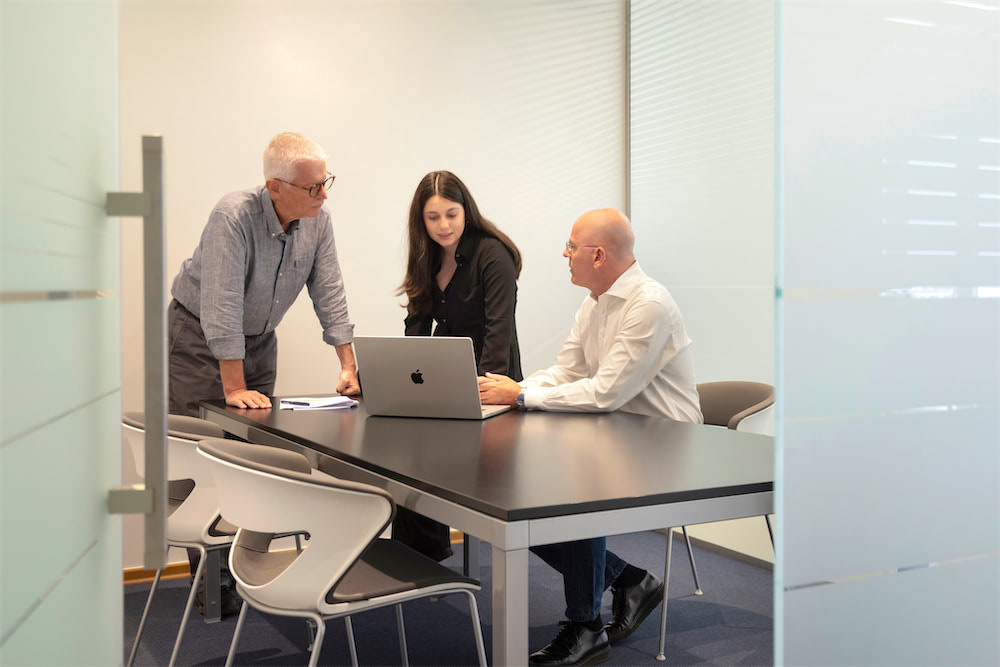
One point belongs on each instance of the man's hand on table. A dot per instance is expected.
(496, 389)
(247, 398)
(348, 385)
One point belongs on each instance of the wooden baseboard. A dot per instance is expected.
(138, 575)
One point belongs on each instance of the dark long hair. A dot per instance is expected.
(424, 258)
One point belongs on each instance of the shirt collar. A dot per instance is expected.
(626, 282)
(466, 246)
(271, 217)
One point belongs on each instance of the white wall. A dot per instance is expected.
(889, 383)
(60, 398)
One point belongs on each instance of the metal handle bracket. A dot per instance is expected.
(128, 204)
(136, 499)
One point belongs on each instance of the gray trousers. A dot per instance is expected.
(194, 376)
(194, 371)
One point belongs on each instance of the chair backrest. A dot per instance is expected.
(266, 490)
(193, 506)
(729, 402)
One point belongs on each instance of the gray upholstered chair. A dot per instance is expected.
(345, 568)
(193, 518)
(724, 404)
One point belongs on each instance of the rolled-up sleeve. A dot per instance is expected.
(224, 256)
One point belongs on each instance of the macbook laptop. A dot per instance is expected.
(420, 376)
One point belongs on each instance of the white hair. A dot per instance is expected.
(285, 151)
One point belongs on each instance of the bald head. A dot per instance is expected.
(603, 244)
(610, 229)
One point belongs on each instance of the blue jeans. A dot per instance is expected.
(588, 569)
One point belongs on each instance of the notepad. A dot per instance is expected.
(322, 403)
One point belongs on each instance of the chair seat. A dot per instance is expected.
(388, 567)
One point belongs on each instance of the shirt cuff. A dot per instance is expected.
(339, 334)
(532, 397)
(227, 347)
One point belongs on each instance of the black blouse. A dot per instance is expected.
(479, 303)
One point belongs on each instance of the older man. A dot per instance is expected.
(257, 251)
(627, 351)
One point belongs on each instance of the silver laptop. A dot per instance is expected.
(420, 376)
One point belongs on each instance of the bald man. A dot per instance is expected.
(628, 351)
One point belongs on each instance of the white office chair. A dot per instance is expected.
(193, 518)
(344, 569)
(724, 404)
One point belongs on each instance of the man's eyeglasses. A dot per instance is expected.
(571, 247)
(315, 188)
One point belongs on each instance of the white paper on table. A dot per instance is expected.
(323, 403)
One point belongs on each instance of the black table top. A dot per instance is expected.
(528, 465)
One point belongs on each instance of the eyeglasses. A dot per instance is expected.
(315, 188)
(571, 247)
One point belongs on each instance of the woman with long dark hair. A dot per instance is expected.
(461, 280)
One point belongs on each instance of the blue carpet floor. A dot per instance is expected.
(731, 624)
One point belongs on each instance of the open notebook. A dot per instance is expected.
(420, 376)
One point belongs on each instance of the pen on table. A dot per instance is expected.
(295, 402)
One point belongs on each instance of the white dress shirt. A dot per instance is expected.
(628, 351)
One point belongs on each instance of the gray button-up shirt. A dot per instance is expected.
(247, 271)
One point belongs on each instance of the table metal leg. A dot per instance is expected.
(510, 607)
(213, 594)
(470, 556)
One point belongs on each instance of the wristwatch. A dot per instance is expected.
(520, 400)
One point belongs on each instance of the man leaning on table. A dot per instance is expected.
(258, 249)
(627, 351)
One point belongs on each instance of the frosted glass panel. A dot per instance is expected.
(899, 619)
(862, 354)
(60, 88)
(869, 493)
(60, 407)
(79, 622)
(78, 455)
(74, 340)
(889, 301)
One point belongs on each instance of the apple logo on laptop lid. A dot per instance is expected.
(417, 377)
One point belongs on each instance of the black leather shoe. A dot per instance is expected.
(576, 644)
(630, 606)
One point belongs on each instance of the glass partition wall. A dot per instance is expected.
(889, 331)
(822, 179)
